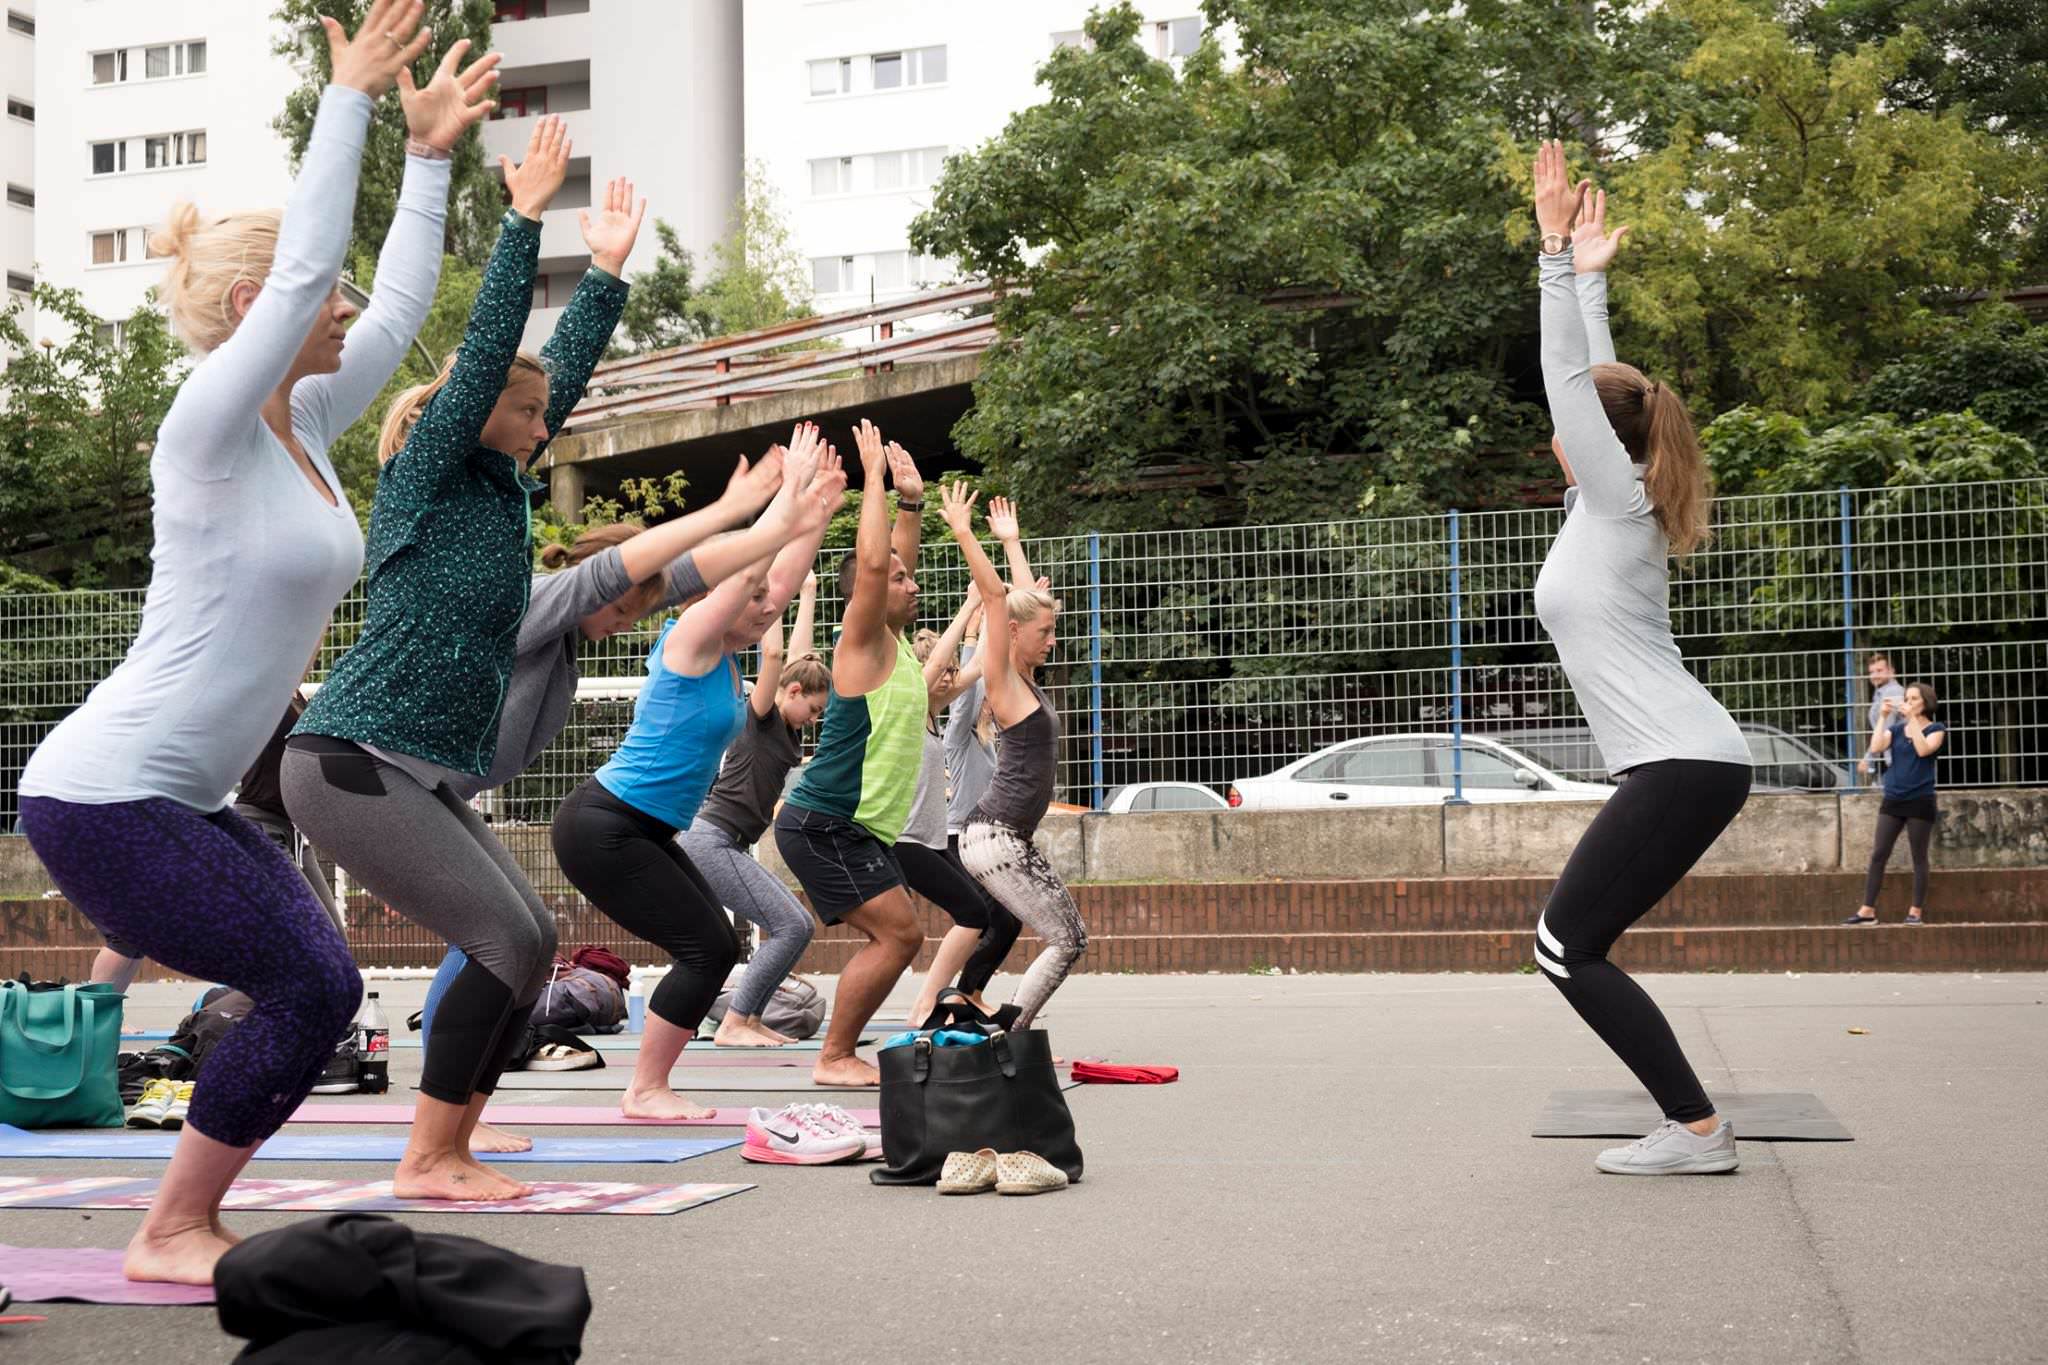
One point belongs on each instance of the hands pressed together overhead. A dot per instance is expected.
(1574, 212)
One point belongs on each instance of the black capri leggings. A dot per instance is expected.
(1643, 841)
(996, 940)
(1916, 818)
(627, 863)
(936, 874)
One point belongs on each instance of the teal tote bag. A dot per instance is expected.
(60, 1055)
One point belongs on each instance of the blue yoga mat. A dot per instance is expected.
(148, 1146)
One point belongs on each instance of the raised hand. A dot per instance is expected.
(442, 110)
(903, 473)
(822, 497)
(867, 439)
(611, 234)
(385, 44)
(750, 488)
(1556, 198)
(1593, 246)
(956, 505)
(806, 450)
(1002, 519)
(533, 182)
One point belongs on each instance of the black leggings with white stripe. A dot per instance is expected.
(1643, 841)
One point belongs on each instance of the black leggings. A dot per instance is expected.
(996, 939)
(1648, 836)
(936, 874)
(627, 864)
(1919, 827)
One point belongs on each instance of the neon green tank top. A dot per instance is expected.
(865, 769)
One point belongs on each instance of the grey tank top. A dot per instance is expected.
(1022, 786)
(927, 822)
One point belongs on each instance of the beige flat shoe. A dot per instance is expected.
(1027, 1173)
(969, 1172)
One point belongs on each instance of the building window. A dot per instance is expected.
(514, 11)
(191, 149)
(156, 63)
(109, 68)
(1072, 37)
(111, 334)
(919, 66)
(20, 284)
(830, 274)
(1177, 37)
(21, 196)
(110, 248)
(528, 102)
(832, 175)
(21, 23)
(109, 158)
(21, 109)
(156, 152)
(834, 77)
(192, 59)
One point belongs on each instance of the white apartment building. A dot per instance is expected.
(18, 147)
(650, 89)
(141, 103)
(853, 106)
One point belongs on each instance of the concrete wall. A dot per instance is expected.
(1992, 828)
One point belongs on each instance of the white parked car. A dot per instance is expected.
(1408, 770)
(1153, 796)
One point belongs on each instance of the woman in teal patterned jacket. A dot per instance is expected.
(415, 703)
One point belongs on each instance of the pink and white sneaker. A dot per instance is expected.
(834, 1119)
(795, 1136)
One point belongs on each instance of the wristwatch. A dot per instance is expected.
(426, 151)
(906, 505)
(1559, 238)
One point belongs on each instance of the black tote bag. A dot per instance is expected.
(1002, 1094)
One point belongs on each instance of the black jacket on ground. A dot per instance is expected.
(352, 1287)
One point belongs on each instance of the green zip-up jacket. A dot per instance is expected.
(449, 553)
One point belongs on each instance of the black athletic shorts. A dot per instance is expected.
(842, 866)
(1919, 808)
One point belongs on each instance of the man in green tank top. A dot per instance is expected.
(836, 829)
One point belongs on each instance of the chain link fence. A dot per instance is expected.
(1205, 657)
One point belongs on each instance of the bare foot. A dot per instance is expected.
(733, 1032)
(185, 1257)
(845, 1071)
(489, 1139)
(516, 1189)
(220, 1231)
(661, 1104)
(446, 1175)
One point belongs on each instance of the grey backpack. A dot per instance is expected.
(796, 1010)
(581, 1000)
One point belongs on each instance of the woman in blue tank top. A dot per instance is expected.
(615, 836)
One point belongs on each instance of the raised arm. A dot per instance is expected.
(1003, 525)
(909, 527)
(587, 324)
(409, 266)
(865, 653)
(801, 468)
(803, 636)
(1607, 479)
(452, 423)
(941, 657)
(748, 490)
(1881, 735)
(769, 680)
(1006, 695)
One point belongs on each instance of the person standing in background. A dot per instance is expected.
(1884, 687)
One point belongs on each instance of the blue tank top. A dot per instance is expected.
(670, 756)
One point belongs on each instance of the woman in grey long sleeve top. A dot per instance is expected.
(1604, 597)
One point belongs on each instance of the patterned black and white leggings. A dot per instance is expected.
(1012, 870)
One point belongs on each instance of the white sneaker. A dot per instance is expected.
(834, 1119)
(1673, 1149)
(181, 1104)
(157, 1098)
(795, 1136)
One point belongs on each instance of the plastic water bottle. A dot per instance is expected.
(636, 1008)
(373, 1045)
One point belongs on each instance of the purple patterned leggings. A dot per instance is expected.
(212, 897)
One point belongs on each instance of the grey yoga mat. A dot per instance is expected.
(723, 1080)
(630, 1042)
(1767, 1115)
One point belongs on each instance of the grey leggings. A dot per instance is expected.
(299, 849)
(752, 892)
(1010, 868)
(430, 857)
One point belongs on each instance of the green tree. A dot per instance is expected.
(665, 309)
(1987, 361)
(1986, 58)
(1785, 247)
(476, 199)
(81, 420)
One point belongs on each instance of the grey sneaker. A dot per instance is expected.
(1673, 1149)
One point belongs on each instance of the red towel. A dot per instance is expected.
(1106, 1073)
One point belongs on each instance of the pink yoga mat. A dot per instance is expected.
(327, 1196)
(545, 1115)
(85, 1275)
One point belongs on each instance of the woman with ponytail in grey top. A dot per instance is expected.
(1640, 500)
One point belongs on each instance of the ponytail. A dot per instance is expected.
(1653, 426)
